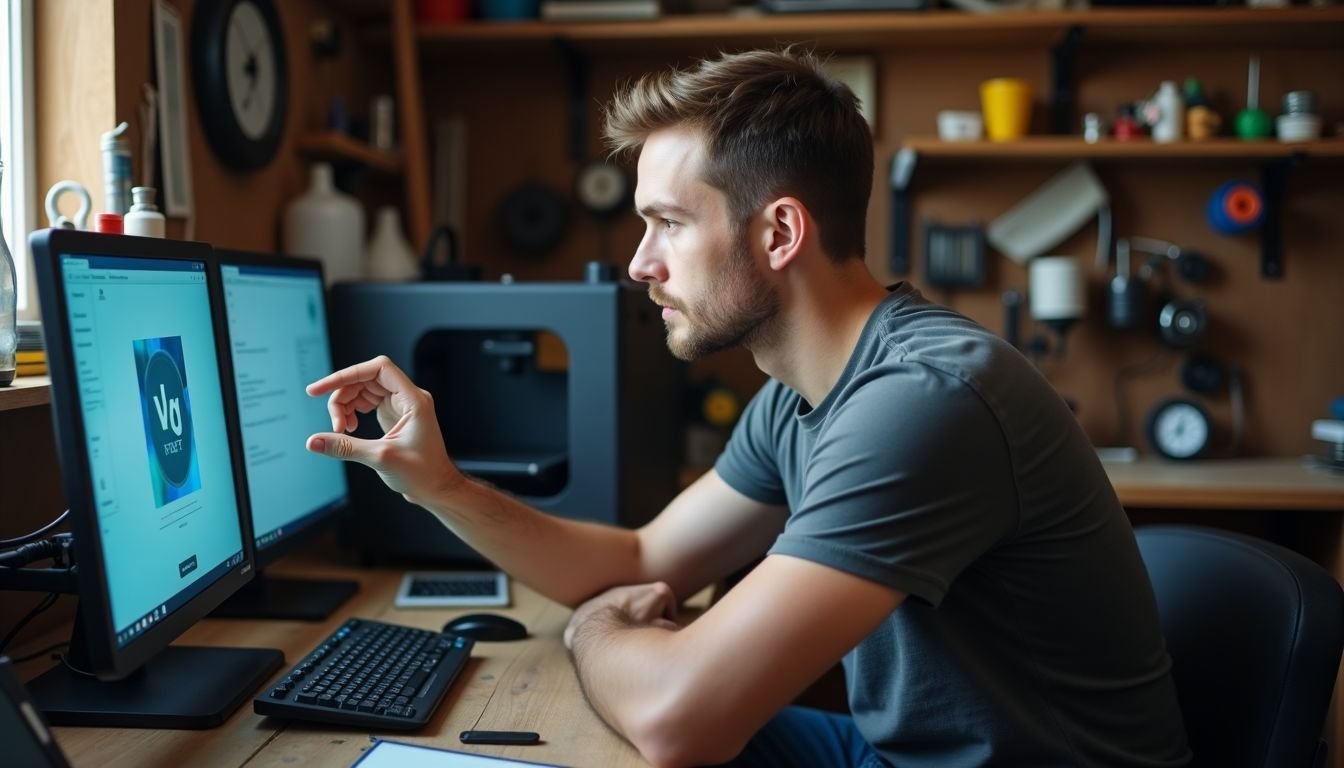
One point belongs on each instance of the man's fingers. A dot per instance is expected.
(366, 404)
(668, 597)
(380, 370)
(344, 447)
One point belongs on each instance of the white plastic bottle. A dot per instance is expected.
(388, 254)
(144, 218)
(1170, 125)
(329, 224)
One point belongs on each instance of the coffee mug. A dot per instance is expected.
(1006, 103)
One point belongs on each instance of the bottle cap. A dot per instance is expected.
(1299, 103)
(113, 139)
(143, 196)
(109, 223)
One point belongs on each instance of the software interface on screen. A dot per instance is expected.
(278, 331)
(153, 411)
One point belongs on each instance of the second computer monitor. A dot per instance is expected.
(276, 317)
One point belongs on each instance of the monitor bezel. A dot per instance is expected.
(315, 526)
(12, 690)
(105, 658)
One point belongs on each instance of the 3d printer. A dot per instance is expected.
(563, 393)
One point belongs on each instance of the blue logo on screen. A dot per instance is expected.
(165, 404)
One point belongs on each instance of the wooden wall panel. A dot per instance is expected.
(241, 209)
(1279, 332)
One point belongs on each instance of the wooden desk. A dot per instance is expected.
(1269, 484)
(528, 685)
(531, 685)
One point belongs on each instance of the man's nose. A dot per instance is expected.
(645, 266)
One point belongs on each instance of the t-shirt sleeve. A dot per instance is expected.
(909, 482)
(750, 462)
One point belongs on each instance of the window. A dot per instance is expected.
(17, 188)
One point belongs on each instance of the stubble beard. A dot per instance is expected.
(741, 309)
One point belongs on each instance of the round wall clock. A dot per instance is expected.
(238, 67)
(1180, 429)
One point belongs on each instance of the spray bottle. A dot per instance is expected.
(116, 170)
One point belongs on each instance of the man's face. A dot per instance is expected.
(700, 265)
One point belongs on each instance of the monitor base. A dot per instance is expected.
(183, 687)
(276, 598)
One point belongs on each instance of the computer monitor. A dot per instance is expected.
(139, 402)
(276, 323)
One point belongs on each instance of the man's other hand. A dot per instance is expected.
(638, 605)
(410, 456)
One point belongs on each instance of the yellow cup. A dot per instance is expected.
(1006, 103)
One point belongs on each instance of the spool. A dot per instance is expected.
(1235, 208)
(1057, 296)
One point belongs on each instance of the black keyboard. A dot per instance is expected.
(427, 587)
(370, 675)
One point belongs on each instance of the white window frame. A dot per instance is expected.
(18, 189)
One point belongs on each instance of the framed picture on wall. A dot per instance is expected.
(174, 152)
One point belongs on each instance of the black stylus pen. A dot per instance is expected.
(500, 737)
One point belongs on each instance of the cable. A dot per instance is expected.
(43, 652)
(41, 606)
(1238, 398)
(1121, 416)
(39, 533)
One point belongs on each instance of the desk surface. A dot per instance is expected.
(528, 685)
(1270, 484)
(531, 685)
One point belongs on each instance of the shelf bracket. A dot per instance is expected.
(578, 68)
(1273, 179)
(1063, 61)
(902, 171)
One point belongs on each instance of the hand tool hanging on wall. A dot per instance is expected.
(600, 186)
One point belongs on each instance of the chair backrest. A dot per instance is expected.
(1255, 633)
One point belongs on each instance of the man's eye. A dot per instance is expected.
(669, 224)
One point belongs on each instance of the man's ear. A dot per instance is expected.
(787, 227)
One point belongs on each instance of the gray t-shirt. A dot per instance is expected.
(942, 464)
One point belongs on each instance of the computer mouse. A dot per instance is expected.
(490, 627)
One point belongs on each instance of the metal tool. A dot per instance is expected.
(54, 215)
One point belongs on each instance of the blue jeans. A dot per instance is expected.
(808, 738)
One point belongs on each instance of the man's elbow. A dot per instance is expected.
(681, 732)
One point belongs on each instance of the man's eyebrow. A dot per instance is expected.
(656, 209)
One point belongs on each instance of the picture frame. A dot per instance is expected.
(174, 146)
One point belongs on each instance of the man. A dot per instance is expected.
(928, 510)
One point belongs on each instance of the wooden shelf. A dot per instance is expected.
(1295, 27)
(335, 146)
(26, 392)
(1074, 148)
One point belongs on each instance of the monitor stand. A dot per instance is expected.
(181, 687)
(276, 598)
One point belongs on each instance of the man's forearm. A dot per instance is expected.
(566, 560)
(628, 672)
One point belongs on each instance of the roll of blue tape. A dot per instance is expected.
(1235, 208)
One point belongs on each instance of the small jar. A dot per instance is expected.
(1092, 128)
(1126, 125)
(108, 223)
(1298, 121)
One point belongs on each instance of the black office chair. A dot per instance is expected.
(1255, 633)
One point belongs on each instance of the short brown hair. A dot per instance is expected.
(775, 123)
